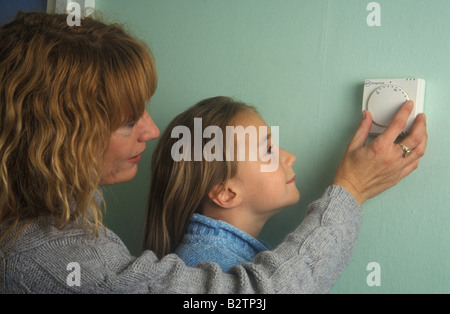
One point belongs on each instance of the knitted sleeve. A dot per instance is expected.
(309, 260)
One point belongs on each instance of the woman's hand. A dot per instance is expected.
(367, 170)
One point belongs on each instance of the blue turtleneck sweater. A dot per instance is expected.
(210, 240)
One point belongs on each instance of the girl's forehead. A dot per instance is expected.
(247, 118)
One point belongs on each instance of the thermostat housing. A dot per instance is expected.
(384, 97)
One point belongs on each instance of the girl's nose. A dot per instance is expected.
(288, 158)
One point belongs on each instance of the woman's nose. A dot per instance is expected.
(149, 130)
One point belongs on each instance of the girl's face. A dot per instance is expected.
(125, 148)
(266, 192)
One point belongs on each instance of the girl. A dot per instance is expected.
(213, 211)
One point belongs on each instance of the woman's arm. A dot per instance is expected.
(309, 260)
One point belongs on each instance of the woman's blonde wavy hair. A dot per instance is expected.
(63, 91)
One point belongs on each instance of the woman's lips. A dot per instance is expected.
(291, 181)
(135, 159)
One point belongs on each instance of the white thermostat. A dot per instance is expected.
(384, 97)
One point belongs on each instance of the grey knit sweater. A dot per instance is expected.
(309, 260)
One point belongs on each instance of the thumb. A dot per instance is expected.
(360, 137)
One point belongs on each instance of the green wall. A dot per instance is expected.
(302, 63)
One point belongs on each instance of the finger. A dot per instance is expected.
(410, 168)
(360, 137)
(412, 161)
(417, 135)
(418, 132)
(398, 123)
(419, 150)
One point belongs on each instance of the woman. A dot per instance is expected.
(73, 118)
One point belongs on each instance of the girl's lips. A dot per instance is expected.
(135, 159)
(291, 181)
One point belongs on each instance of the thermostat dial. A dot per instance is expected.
(384, 103)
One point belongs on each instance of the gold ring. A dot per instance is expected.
(406, 150)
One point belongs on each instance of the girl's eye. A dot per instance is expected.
(269, 150)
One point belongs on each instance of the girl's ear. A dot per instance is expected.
(225, 195)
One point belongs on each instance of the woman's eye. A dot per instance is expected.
(130, 124)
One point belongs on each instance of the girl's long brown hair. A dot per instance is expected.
(63, 91)
(179, 189)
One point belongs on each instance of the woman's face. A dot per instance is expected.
(125, 148)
